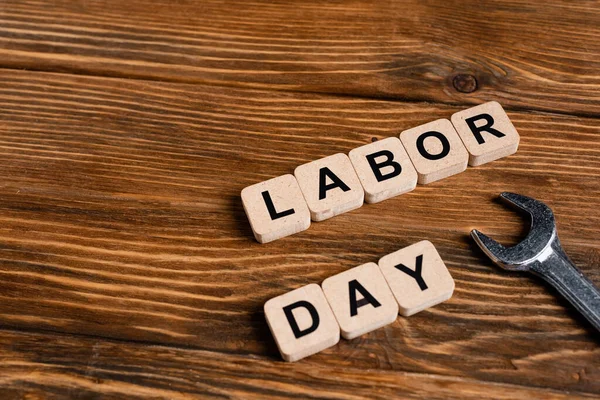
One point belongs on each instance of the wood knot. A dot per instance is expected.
(465, 83)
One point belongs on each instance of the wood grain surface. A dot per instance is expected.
(82, 367)
(533, 55)
(128, 129)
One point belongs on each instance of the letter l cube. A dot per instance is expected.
(275, 208)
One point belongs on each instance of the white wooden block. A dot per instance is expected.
(275, 208)
(486, 132)
(302, 322)
(361, 300)
(384, 169)
(330, 186)
(417, 277)
(435, 150)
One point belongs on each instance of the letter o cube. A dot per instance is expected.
(435, 150)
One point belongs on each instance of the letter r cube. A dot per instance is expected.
(486, 132)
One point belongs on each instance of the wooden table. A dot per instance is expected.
(128, 129)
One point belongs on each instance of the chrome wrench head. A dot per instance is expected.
(541, 254)
(541, 235)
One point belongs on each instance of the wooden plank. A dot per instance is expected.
(61, 366)
(120, 216)
(522, 54)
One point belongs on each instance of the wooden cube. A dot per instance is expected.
(435, 150)
(486, 132)
(302, 322)
(361, 300)
(417, 277)
(384, 169)
(330, 186)
(275, 208)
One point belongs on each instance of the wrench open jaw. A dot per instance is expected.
(541, 254)
(541, 235)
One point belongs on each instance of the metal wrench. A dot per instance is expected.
(540, 253)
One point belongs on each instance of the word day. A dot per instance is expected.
(339, 183)
(357, 301)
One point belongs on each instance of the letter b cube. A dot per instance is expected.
(384, 169)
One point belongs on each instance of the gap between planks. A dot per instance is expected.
(286, 89)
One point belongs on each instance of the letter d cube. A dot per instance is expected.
(302, 322)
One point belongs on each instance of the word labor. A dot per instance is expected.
(339, 183)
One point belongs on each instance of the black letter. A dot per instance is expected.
(353, 287)
(416, 274)
(272, 212)
(485, 128)
(441, 138)
(324, 187)
(376, 167)
(288, 310)
(294, 325)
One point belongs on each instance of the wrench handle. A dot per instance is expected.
(560, 272)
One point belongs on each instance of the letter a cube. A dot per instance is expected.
(361, 300)
(330, 186)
